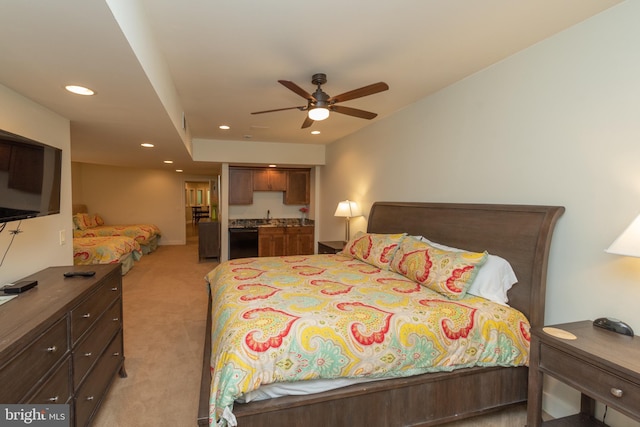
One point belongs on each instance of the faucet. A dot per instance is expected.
(268, 214)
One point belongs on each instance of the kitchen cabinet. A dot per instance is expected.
(269, 180)
(240, 186)
(271, 241)
(299, 240)
(280, 241)
(298, 187)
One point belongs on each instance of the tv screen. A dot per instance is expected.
(30, 175)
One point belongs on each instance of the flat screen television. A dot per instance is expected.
(30, 176)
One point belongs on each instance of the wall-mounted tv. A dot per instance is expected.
(30, 176)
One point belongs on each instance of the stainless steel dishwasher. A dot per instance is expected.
(243, 242)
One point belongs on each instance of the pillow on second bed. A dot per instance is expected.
(449, 273)
(494, 279)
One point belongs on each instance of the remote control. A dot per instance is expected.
(79, 273)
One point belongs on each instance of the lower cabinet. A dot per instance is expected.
(62, 342)
(271, 241)
(299, 240)
(280, 241)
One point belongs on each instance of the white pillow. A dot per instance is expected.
(494, 279)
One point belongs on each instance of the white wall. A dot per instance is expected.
(557, 124)
(38, 246)
(129, 195)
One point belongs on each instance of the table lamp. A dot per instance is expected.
(627, 244)
(347, 209)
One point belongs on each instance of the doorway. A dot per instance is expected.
(201, 204)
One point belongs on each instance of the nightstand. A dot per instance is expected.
(330, 247)
(600, 364)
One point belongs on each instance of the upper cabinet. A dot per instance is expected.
(294, 183)
(240, 186)
(298, 187)
(269, 180)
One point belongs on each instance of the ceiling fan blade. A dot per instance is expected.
(281, 109)
(307, 122)
(359, 93)
(297, 89)
(353, 112)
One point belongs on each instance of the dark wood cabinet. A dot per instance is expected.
(269, 180)
(208, 239)
(240, 186)
(62, 342)
(271, 241)
(299, 240)
(294, 183)
(602, 365)
(298, 187)
(280, 241)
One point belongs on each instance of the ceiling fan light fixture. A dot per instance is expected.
(318, 113)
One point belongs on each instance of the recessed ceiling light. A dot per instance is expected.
(168, 162)
(224, 127)
(179, 170)
(315, 132)
(79, 90)
(147, 145)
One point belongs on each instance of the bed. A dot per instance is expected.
(519, 234)
(106, 250)
(92, 225)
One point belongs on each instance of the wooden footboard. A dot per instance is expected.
(520, 234)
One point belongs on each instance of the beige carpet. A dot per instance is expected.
(164, 323)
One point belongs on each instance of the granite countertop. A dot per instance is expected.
(274, 222)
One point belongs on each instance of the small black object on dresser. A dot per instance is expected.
(63, 344)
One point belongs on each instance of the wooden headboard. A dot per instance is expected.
(519, 233)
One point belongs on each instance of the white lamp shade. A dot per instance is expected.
(348, 209)
(628, 243)
(318, 114)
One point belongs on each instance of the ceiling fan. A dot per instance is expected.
(319, 104)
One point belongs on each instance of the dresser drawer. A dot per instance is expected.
(590, 380)
(57, 389)
(89, 350)
(93, 389)
(25, 370)
(88, 311)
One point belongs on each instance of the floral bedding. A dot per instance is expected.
(142, 233)
(104, 250)
(329, 316)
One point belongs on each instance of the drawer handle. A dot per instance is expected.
(88, 354)
(115, 319)
(53, 399)
(116, 354)
(52, 349)
(89, 398)
(616, 392)
(86, 315)
(114, 289)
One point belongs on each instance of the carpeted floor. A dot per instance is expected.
(165, 305)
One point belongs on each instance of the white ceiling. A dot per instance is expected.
(224, 59)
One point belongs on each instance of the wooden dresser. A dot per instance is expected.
(61, 342)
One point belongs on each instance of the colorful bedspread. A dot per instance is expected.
(142, 233)
(329, 316)
(104, 250)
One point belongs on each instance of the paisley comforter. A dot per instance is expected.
(142, 233)
(104, 250)
(328, 316)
